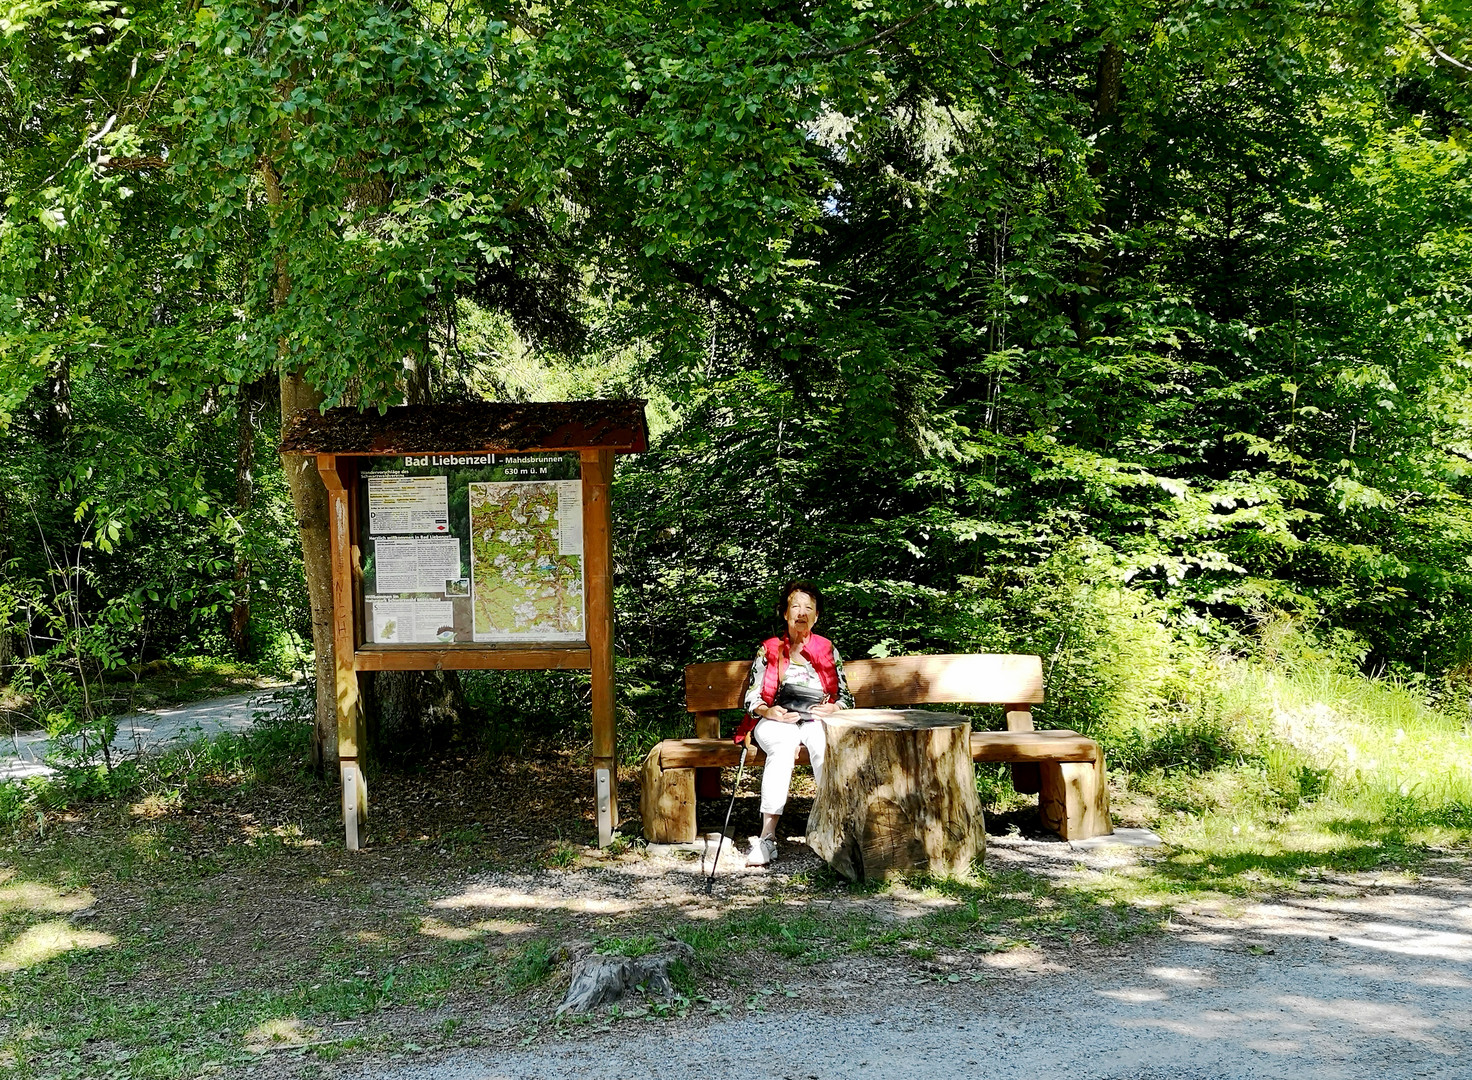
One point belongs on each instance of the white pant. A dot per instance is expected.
(779, 742)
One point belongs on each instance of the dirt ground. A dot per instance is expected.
(1350, 976)
(1363, 975)
(1346, 975)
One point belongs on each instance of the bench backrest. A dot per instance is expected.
(980, 678)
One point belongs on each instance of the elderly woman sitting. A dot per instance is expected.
(797, 680)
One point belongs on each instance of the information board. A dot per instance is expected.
(472, 548)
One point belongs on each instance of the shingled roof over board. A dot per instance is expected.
(471, 427)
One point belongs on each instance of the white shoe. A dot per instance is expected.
(763, 851)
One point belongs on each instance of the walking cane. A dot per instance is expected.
(740, 768)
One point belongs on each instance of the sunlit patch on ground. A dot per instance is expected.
(1134, 996)
(431, 927)
(1189, 976)
(513, 900)
(503, 926)
(285, 1031)
(1022, 959)
(48, 940)
(903, 901)
(436, 928)
(290, 836)
(43, 899)
(156, 805)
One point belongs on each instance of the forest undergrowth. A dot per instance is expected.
(1208, 749)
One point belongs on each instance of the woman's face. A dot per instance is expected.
(802, 614)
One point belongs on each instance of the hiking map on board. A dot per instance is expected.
(472, 548)
(526, 560)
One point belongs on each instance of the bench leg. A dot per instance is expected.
(1025, 778)
(667, 802)
(708, 783)
(1074, 799)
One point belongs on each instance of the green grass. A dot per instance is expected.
(993, 912)
(1307, 769)
(531, 965)
(128, 946)
(637, 945)
(207, 1014)
(561, 856)
(275, 748)
(159, 995)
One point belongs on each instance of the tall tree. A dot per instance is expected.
(1046, 278)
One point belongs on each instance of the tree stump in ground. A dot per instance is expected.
(898, 794)
(603, 980)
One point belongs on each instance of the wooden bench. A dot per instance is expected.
(1063, 768)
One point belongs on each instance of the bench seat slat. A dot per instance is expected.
(712, 753)
(1056, 745)
(1007, 746)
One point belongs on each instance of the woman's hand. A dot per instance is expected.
(781, 715)
(828, 708)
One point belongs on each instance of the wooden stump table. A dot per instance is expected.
(898, 795)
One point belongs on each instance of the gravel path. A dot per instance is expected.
(24, 753)
(1360, 976)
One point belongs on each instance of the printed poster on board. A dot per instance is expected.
(472, 548)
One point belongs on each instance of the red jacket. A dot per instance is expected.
(777, 652)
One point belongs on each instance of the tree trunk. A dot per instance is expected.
(411, 715)
(5, 624)
(898, 795)
(309, 497)
(245, 463)
(1108, 88)
(404, 708)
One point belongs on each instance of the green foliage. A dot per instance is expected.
(1189, 744)
(1126, 339)
(1097, 386)
(516, 705)
(1274, 745)
(127, 543)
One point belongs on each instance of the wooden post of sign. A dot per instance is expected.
(350, 743)
(597, 468)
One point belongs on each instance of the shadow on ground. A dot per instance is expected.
(216, 916)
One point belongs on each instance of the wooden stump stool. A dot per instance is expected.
(898, 794)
